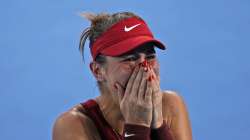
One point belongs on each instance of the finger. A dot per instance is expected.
(136, 84)
(143, 86)
(154, 76)
(155, 82)
(131, 80)
(155, 87)
(148, 93)
(120, 92)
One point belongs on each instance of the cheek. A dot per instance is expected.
(122, 74)
(125, 74)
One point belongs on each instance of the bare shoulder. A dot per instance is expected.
(176, 115)
(74, 124)
(173, 101)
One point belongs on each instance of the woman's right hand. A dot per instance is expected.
(136, 100)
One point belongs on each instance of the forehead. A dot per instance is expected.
(147, 48)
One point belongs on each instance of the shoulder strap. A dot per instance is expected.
(94, 113)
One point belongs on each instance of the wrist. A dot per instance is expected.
(157, 124)
(137, 123)
(135, 132)
(162, 133)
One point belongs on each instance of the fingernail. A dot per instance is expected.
(145, 63)
(145, 69)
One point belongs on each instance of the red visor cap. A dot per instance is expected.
(124, 36)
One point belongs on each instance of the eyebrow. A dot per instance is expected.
(128, 55)
(133, 52)
(148, 52)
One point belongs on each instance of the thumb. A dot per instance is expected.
(119, 91)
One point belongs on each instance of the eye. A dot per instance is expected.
(130, 58)
(151, 57)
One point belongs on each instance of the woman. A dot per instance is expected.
(131, 105)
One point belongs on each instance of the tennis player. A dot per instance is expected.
(131, 105)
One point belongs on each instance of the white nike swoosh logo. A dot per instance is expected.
(128, 135)
(127, 29)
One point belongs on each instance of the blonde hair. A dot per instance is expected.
(99, 24)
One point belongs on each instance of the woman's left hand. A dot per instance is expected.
(157, 117)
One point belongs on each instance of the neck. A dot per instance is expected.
(111, 112)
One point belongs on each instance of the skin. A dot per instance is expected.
(135, 100)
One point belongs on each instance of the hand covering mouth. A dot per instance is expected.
(145, 64)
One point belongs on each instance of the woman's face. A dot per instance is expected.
(119, 69)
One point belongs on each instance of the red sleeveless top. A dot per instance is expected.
(94, 112)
